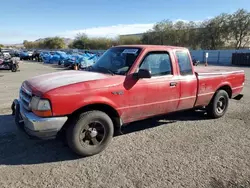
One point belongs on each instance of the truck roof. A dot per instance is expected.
(152, 46)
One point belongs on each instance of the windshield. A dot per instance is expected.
(116, 60)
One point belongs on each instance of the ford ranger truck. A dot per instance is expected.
(128, 83)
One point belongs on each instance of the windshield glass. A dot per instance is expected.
(116, 60)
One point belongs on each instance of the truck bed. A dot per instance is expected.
(216, 70)
(212, 78)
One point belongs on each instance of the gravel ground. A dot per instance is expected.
(179, 150)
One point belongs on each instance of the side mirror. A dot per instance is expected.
(142, 73)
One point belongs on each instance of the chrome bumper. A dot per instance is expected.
(43, 128)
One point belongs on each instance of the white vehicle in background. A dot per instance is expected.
(30, 53)
(6, 53)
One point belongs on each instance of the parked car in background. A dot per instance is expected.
(46, 56)
(15, 53)
(26, 55)
(81, 60)
(36, 55)
(42, 53)
(59, 57)
(87, 60)
(72, 60)
(5, 53)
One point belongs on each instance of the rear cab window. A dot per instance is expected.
(184, 63)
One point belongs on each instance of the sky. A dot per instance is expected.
(33, 19)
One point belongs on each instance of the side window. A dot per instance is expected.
(184, 63)
(158, 64)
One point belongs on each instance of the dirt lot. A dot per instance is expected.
(181, 150)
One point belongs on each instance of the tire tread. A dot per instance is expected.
(70, 133)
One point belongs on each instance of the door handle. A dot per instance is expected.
(173, 84)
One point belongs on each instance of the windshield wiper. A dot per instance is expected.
(105, 69)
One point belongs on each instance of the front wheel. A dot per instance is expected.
(219, 104)
(91, 133)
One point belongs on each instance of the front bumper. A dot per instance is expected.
(43, 128)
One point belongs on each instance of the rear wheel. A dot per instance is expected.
(219, 104)
(91, 133)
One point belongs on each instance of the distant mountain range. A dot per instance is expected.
(66, 40)
(69, 40)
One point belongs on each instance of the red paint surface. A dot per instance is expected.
(141, 98)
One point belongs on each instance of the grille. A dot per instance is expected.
(25, 98)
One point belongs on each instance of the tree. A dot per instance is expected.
(99, 43)
(1, 45)
(147, 37)
(181, 33)
(129, 40)
(28, 44)
(214, 32)
(193, 40)
(80, 41)
(162, 33)
(24, 42)
(54, 43)
(240, 28)
(81, 36)
(168, 33)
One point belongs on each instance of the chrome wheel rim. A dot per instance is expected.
(92, 134)
(221, 105)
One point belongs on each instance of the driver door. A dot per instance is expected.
(157, 95)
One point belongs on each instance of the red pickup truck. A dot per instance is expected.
(128, 83)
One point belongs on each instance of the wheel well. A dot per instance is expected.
(228, 89)
(110, 111)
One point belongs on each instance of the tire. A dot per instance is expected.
(59, 62)
(219, 104)
(79, 131)
(14, 68)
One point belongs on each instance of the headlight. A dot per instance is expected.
(41, 107)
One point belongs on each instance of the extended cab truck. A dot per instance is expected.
(127, 83)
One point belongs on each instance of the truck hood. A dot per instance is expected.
(47, 82)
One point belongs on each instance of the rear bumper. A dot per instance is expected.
(42, 128)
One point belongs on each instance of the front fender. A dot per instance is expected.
(96, 100)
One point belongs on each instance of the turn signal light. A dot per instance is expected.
(46, 113)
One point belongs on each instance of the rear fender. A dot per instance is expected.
(227, 87)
